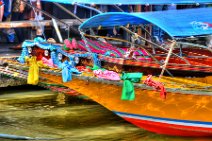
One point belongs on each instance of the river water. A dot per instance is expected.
(38, 113)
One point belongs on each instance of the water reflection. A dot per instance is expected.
(40, 113)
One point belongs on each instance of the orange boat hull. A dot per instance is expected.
(184, 113)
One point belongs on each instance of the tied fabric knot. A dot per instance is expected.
(67, 70)
(74, 43)
(105, 74)
(128, 92)
(33, 74)
(96, 60)
(156, 85)
(48, 62)
(54, 58)
(95, 67)
(24, 53)
(70, 44)
(67, 44)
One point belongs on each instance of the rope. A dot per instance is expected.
(86, 42)
(109, 38)
(67, 11)
(167, 58)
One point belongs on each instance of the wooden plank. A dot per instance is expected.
(138, 8)
(23, 24)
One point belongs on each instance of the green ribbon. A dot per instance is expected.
(128, 92)
(95, 67)
(65, 48)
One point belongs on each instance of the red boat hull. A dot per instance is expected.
(171, 127)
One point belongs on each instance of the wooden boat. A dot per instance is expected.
(190, 62)
(182, 106)
(187, 65)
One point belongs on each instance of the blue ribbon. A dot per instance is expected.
(96, 60)
(67, 70)
(24, 53)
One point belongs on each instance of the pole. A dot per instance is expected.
(67, 11)
(73, 15)
(51, 16)
(57, 30)
(167, 59)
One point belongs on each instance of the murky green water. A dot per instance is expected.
(40, 113)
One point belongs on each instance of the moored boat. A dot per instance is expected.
(182, 106)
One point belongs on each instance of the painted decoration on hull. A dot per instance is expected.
(169, 126)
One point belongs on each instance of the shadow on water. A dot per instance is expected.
(36, 112)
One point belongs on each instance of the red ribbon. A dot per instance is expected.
(83, 68)
(156, 85)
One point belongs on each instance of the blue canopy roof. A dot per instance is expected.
(189, 22)
(111, 2)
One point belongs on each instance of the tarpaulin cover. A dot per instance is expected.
(189, 22)
(110, 2)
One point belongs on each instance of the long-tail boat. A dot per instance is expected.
(184, 105)
(179, 64)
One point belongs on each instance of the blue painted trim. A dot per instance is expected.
(166, 120)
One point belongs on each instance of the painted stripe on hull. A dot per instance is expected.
(169, 126)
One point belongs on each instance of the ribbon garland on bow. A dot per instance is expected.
(26, 44)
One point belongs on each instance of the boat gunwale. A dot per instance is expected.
(118, 83)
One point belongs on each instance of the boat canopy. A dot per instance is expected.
(125, 2)
(188, 22)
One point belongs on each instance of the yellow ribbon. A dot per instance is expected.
(33, 74)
